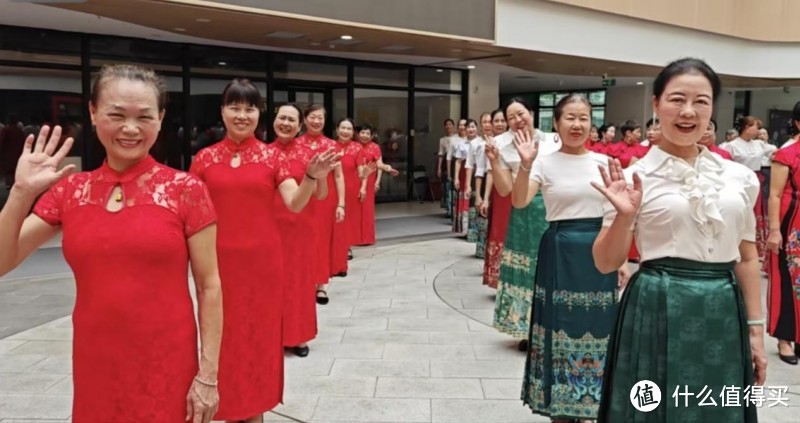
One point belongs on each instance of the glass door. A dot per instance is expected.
(303, 97)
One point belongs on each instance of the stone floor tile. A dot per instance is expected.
(300, 408)
(428, 388)
(44, 333)
(374, 410)
(502, 389)
(470, 338)
(482, 411)
(354, 323)
(360, 350)
(53, 365)
(7, 345)
(302, 366)
(428, 352)
(501, 351)
(20, 362)
(64, 387)
(397, 337)
(330, 386)
(478, 369)
(54, 407)
(381, 368)
(26, 383)
(51, 348)
(456, 324)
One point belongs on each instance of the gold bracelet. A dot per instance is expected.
(205, 382)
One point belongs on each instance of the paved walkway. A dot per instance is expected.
(406, 338)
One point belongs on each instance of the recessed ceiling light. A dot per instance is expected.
(346, 37)
(180, 29)
(439, 70)
(204, 20)
(222, 63)
(471, 67)
(640, 83)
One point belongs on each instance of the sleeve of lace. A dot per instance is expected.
(280, 165)
(198, 166)
(197, 209)
(50, 204)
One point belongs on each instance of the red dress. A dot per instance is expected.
(783, 296)
(370, 153)
(499, 215)
(251, 268)
(721, 152)
(299, 234)
(135, 340)
(635, 150)
(324, 212)
(343, 232)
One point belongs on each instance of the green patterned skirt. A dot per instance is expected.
(574, 307)
(512, 307)
(472, 231)
(681, 323)
(482, 224)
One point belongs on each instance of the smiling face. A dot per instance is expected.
(315, 121)
(365, 135)
(472, 130)
(240, 120)
(449, 127)
(287, 123)
(519, 118)
(486, 124)
(499, 124)
(684, 109)
(127, 119)
(574, 123)
(345, 131)
(462, 128)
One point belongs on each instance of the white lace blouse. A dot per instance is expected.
(701, 212)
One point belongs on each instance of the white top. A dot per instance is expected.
(444, 143)
(461, 151)
(766, 160)
(749, 153)
(565, 181)
(699, 213)
(473, 144)
(478, 154)
(455, 140)
(509, 158)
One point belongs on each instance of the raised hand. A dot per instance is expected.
(322, 163)
(625, 198)
(527, 146)
(37, 168)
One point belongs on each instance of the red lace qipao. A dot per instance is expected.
(343, 232)
(370, 153)
(299, 235)
(324, 212)
(135, 339)
(783, 296)
(251, 268)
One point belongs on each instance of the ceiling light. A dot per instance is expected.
(439, 70)
(640, 83)
(222, 63)
(204, 20)
(180, 29)
(346, 37)
(471, 67)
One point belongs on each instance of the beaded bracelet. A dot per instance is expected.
(204, 382)
(758, 322)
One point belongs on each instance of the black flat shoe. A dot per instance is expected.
(322, 299)
(301, 351)
(788, 359)
(341, 274)
(523, 345)
(797, 349)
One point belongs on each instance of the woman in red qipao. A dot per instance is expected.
(783, 242)
(350, 212)
(243, 175)
(369, 159)
(498, 214)
(328, 210)
(130, 230)
(299, 233)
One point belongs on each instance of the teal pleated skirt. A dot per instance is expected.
(574, 307)
(472, 227)
(482, 224)
(512, 307)
(682, 324)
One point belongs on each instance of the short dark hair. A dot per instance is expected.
(524, 103)
(603, 129)
(131, 73)
(241, 90)
(686, 66)
(745, 121)
(313, 108)
(496, 111)
(713, 122)
(347, 119)
(651, 122)
(629, 125)
(448, 120)
(792, 129)
(572, 98)
(293, 106)
(470, 120)
(365, 127)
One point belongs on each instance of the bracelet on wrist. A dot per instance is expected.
(310, 177)
(758, 322)
(527, 169)
(205, 382)
(340, 207)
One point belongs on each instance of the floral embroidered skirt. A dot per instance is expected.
(461, 207)
(482, 225)
(449, 196)
(472, 231)
(762, 216)
(574, 307)
(681, 323)
(512, 307)
(499, 214)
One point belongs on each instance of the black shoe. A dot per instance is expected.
(341, 274)
(789, 359)
(523, 345)
(300, 351)
(349, 254)
(797, 349)
(323, 298)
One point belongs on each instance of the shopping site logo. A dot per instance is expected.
(646, 396)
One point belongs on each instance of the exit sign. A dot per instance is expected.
(609, 82)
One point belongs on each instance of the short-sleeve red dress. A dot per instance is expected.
(299, 234)
(325, 210)
(370, 153)
(344, 232)
(251, 268)
(135, 341)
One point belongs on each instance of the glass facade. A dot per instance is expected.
(45, 78)
(544, 104)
